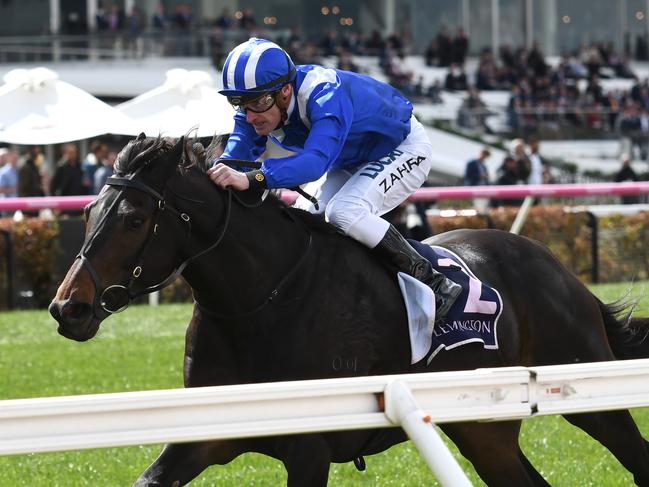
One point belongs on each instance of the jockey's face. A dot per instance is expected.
(265, 122)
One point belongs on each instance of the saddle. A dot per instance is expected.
(473, 318)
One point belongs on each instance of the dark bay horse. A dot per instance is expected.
(280, 295)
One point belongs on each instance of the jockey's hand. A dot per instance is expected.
(226, 177)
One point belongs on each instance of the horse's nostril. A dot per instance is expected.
(75, 310)
(55, 311)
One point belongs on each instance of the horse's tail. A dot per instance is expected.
(627, 336)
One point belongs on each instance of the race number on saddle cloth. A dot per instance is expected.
(473, 317)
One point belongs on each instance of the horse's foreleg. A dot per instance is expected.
(617, 431)
(307, 459)
(178, 464)
(493, 450)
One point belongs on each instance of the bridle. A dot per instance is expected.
(116, 297)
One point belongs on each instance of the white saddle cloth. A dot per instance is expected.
(420, 306)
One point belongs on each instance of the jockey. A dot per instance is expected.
(355, 141)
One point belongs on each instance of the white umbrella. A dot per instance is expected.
(186, 100)
(38, 108)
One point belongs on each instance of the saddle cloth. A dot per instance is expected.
(472, 318)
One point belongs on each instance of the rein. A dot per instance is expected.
(116, 297)
(277, 288)
(257, 165)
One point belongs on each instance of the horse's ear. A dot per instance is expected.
(174, 158)
(141, 136)
(180, 151)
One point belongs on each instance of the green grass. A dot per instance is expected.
(142, 349)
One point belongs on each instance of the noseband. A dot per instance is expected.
(116, 297)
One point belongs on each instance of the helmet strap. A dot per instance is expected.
(282, 101)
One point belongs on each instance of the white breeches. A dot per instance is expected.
(355, 201)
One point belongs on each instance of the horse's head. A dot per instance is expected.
(131, 245)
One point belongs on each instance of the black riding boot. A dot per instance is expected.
(396, 249)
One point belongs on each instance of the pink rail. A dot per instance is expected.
(423, 194)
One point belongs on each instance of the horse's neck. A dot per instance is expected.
(259, 247)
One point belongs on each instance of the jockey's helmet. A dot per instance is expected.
(254, 68)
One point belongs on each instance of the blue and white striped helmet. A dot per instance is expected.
(257, 66)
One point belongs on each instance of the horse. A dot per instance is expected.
(279, 294)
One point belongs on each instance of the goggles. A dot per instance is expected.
(260, 104)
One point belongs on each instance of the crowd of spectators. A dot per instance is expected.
(522, 164)
(543, 97)
(26, 174)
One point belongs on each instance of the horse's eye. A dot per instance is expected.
(134, 223)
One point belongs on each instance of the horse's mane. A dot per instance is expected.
(142, 151)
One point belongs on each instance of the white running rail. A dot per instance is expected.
(414, 401)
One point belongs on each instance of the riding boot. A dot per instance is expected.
(396, 250)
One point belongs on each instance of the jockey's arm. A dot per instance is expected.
(243, 144)
(330, 113)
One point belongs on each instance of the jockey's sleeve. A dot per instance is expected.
(330, 112)
(244, 143)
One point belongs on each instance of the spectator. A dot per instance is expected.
(431, 55)
(307, 55)
(9, 175)
(476, 172)
(216, 47)
(101, 18)
(92, 162)
(30, 179)
(294, 41)
(522, 161)
(399, 73)
(642, 138)
(537, 163)
(641, 51)
(445, 45)
(460, 46)
(104, 172)
(247, 20)
(329, 43)
(183, 17)
(160, 19)
(508, 175)
(114, 18)
(353, 42)
(455, 78)
(435, 92)
(68, 176)
(3, 156)
(633, 126)
(473, 112)
(375, 44)
(627, 174)
(225, 21)
(134, 25)
(346, 62)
